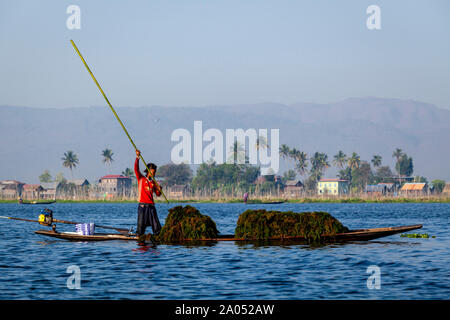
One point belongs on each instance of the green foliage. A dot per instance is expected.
(187, 223)
(45, 177)
(438, 185)
(354, 160)
(310, 184)
(60, 178)
(319, 163)
(301, 161)
(345, 174)
(420, 179)
(262, 225)
(213, 176)
(175, 174)
(361, 176)
(70, 160)
(128, 173)
(299, 157)
(66, 187)
(267, 186)
(107, 156)
(416, 235)
(397, 154)
(340, 159)
(384, 174)
(237, 153)
(288, 175)
(404, 165)
(285, 151)
(376, 160)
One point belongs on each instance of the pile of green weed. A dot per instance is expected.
(263, 225)
(416, 235)
(187, 223)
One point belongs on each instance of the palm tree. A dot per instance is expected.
(345, 174)
(376, 161)
(340, 159)
(324, 161)
(285, 151)
(354, 161)
(302, 162)
(238, 153)
(261, 142)
(107, 156)
(128, 173)
(319, 162)
(293, 153)
(397, 154)
(70, 160)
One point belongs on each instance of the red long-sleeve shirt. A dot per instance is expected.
(146, 186)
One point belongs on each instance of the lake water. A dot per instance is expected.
(35, 267)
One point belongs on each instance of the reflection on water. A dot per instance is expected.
(151, 248)
(35, 267)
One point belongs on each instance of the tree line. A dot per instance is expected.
(235, 176)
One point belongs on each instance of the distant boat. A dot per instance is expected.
(261, 202)
(273, 202)
(37, 202)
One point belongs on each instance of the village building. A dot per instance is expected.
(293, 188)
(260, 180)
(269, 178)
(10, 189)
(78, 188)
(79, 182)
(32, 191)
(49, 190)
(115, 185)
(176, 191)
(414, 189)
(446, 190)
(332, 187)
(375, 189)
(390, 187)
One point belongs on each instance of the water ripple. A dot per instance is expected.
(34, 267)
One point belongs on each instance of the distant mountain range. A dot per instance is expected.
(35, 139)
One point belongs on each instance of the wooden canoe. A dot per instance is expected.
(352, 235)
(73, 236)
(272, 202)
(37, 202)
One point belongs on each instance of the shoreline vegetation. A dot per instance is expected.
(268, 200)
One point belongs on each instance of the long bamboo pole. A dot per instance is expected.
(118, 119)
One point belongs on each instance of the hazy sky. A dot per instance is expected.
(214, 52)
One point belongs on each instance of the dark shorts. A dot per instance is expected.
(147, 216)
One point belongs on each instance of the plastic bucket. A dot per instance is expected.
(85, 229)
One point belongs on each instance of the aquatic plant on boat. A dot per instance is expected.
(187, 223)
(262, 224)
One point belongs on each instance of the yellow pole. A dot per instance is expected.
(118, 119)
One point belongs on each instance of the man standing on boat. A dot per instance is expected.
(147, 215)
